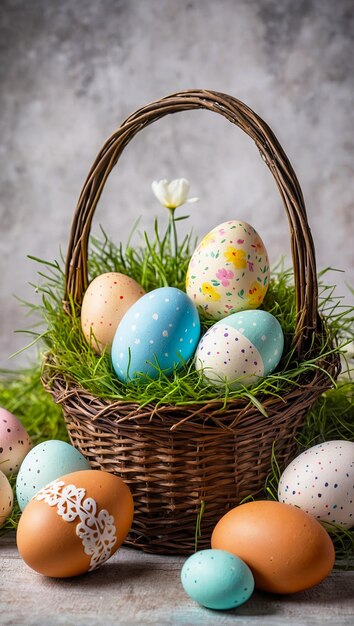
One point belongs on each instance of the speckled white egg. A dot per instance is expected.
(15, 442)
(6, 498)
(321, 482)
(161, 330)
(229, 270)
(106, 300)
(217, 579)
(47, 461)
(240, 349)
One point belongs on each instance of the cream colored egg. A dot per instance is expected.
(6, 498)
(229, 271)
(106, 300)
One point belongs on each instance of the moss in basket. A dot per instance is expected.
(74, 358)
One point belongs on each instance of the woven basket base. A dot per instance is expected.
(217, 457)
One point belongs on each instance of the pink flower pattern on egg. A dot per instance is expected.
(224, 276)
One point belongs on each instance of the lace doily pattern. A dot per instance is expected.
(96, 529)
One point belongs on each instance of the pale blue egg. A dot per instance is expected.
(240, 348)
(217, 579)
(161, 329)
(46, 462)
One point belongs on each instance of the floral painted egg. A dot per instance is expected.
(229, 271)
(15, 442)
(74, 524)
(45, 462)
(106, 300)
(6, 498)
(240, 349)
(321, 482)
(161, 330)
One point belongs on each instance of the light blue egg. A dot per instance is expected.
(217, 579)
(46, 462)
(263, 331)
(161, 329)
(240, 349)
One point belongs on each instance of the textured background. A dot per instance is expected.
(71, 72)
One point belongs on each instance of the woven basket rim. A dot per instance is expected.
(316, 379)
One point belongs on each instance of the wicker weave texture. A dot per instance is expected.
(175, 457)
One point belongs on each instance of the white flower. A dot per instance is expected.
(173, 194)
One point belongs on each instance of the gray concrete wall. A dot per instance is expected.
(72, 70)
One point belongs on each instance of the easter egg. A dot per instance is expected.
(44, 463)
(105, 301)
(240, 349)
(286, 549)
(321, 482)
(15, 442)
(229, 270)
(74, 524)
(217, 579)
(161, 330)
(6, 498)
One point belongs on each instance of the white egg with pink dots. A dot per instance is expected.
(240, 349)
(320, 481)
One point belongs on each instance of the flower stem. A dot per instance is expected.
(175, 239)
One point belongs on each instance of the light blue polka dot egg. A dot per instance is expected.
(161, 330)
(46, 462)
(217, 579)
(240, 348)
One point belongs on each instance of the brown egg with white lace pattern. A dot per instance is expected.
(74, 524)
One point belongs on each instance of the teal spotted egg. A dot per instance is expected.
(160, 331)
(217, 579)
(47, 461)
(240, 348)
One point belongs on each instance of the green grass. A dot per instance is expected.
(152, 265)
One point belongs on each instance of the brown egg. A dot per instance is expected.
(286, 549)
(75, 523)
(106, 300)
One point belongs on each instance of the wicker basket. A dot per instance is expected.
(175, 457)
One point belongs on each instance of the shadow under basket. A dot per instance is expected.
(174, 458)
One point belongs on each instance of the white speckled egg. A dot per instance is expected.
(6, 498)
(106, 300)
(47, 461)
(15, 442)
(240, 349)
(217, 579)
(161, 330)
(229, 270)
(321, 482)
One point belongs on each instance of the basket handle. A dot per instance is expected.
(303, 254)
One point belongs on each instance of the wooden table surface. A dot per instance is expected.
(134, 588)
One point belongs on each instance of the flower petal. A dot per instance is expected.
(178, 191)
(160, 189)
(192, 200)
